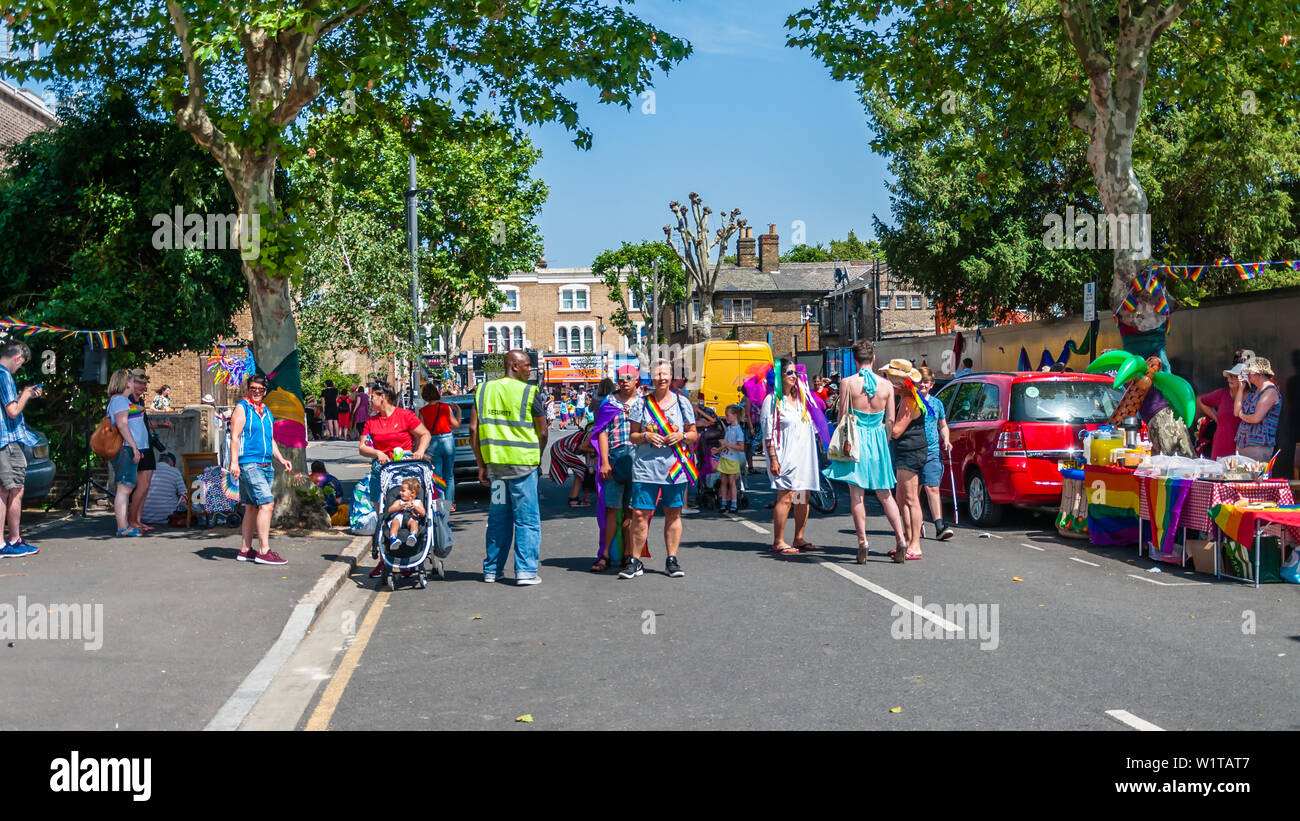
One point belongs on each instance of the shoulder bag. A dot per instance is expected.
(106, 441)
(844, 441)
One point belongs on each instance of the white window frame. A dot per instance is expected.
(564, 332)
(507, 333)
(584, 290)
(508, 291)
(730, 315)
(929, 303)
(490, 339)
(633, 304)
(882, 303)
(900, 302)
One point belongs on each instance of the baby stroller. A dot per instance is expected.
(434, 541)
(707, 495)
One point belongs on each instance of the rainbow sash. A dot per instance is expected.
(683, 462)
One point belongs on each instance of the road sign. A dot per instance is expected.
(1089, 301)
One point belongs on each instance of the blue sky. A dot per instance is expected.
(745, 122)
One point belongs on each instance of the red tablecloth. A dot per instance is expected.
(1204, 495)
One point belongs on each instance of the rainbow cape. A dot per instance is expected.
(683, 462)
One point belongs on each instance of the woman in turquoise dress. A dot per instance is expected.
(869, 399)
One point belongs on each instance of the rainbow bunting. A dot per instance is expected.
(1152, 283)
(102, 339)
(1162, 306)
(1195, 273)
(1130, 303)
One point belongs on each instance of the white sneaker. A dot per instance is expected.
(690, 510)
(489, 578)
(410, 540)
(526, 582)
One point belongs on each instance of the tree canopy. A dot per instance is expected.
(632, 266)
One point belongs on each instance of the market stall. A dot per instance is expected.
(1171, 504)
(1246, 525)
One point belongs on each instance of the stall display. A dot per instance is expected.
(1245, 524)
(1167, 420)
(1113, 503)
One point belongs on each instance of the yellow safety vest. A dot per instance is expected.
(506, 435)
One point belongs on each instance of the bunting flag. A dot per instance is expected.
(1245, 270)
(95, 339)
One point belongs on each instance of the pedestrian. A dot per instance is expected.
(329, 398)
(509, 452)
(909, 451)
(443, 420)
(731, 454)
(13, 435)
(128, 418)
(1258, 412)
(612, 433)
(163, 401)
(967, 367)
(252, 446)
(869, 401)
(936, 441)
(360, 409)
(790, 441)
(345, 416)
(148, 455)
(1218, 406)
(550, 410)
(167, 491)
(392, 432)
(663, 429)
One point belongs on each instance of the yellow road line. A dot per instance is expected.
(329, 700)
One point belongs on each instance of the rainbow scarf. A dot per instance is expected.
(683, 462)
(1165, 500)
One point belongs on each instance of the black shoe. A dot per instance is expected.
(631, 569)
(945, 532)
(673, 568)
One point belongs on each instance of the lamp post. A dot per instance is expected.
(604, 369)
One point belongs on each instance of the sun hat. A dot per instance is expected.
(902, 369)
(1235, 370)
(208, 400)
(1259, 365)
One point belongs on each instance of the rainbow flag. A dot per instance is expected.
(1165, 500)
(1194, 274)
(683, 462)
(1130, 304)
(1151, 284)
(1162, 306)
(439, 481)
(1243, 271)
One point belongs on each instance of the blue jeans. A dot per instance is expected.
(514, 516)
(443, 453)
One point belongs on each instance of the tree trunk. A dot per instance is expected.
(706, 317)
(275, 349)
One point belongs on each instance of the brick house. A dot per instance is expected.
(21, 113)
(849, 311)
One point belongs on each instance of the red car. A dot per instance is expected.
(1009, 430)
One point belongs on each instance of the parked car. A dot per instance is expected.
(40, 468)
(466, 464)
(1009, 431)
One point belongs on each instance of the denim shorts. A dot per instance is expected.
(619, 487)
(255, 484)
(932, 473)
(643, 497)
(124, 466)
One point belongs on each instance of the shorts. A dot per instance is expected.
(910, 460)
(729, 467)
(255, 482)
(619, 487)
(644, 494)
(13, 466)
(932, 473)
(148, 461)
(124, 466)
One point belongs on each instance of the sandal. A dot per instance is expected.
(913, 556)
(574, 503)
(806, 546)
(129, 531)
(600, 565)
(786, 550)
(899, 553)
(862, 552)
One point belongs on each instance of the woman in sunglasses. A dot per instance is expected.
(790, 441)
(252, 446)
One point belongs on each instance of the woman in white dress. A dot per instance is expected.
(791, 443)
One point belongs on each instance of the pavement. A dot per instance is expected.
(193, 639)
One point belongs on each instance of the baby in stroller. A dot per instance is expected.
(407, 510)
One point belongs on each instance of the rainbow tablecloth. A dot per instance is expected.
(1238, 523)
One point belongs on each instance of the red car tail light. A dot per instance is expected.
(1011, 442)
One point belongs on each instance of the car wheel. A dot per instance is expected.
(983, 511)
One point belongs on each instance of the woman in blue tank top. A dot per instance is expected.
(252, 446)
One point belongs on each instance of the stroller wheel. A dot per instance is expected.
(390, 579)
(440, 569)
(234, 520)
(423, 581)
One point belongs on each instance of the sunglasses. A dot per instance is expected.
(791, 373)
(257, 390)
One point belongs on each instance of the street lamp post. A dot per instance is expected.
(604, 368)
(413, 246)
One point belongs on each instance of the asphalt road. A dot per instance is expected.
(749, 640)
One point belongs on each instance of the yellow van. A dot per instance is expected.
(715, 367)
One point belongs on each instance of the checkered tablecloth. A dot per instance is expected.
(1204, 495)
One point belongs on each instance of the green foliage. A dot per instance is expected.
(853, 248)
(636, 263)
(807, 253)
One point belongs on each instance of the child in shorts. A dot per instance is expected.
(732, 450)
(407, 510)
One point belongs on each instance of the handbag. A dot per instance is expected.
(106, 441)
(844, 441)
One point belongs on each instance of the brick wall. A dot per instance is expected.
(778, 314)
(186, 372)
(20, 116)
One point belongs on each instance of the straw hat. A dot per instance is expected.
(1260, 365)
(902, 369)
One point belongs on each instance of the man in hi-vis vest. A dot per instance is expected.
(508, 433)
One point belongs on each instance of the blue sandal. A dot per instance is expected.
(130, 531)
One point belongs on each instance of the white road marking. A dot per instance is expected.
(1165, 584)
(994, 535)
(1032, 547)
(1125, 717)
(882, 592)
(747, 523)
(1081, 561)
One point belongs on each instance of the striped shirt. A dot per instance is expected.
(12, 429)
